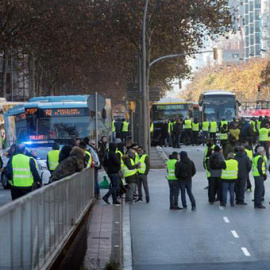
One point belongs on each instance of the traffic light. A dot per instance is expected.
(259, 87)
(215, 53)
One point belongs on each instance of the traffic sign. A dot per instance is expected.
(91, 102)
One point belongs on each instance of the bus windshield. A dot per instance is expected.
(218, 107)
(169, 111)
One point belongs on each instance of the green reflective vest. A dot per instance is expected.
(259, 124)
(113, 126)
(253, 124)
(53, 157)
(125, 126)
(213, 127)
(255, 170)
(263, 134)
(205, 125)
(22, 175)
(249, 153)
(223, 136)
(231, 171)
(195, 127)
(121, 159)
(224, 122)
(171, 169)
(152, 127)
(89, 163)
(127, 171)
(187, 124)
(142, 168)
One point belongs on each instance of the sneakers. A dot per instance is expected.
(259, 207)
(116, 202)
(193, 208)
(241, 203)
(138, 200)
(223, 204)
(177, 208)
(105, 199)
(147, 201)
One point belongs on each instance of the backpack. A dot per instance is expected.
(214, 162)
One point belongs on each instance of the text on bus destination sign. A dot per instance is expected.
(171, 107)
(62, 112)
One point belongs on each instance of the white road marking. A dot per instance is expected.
(221, 208)
(245, 251)
(2, 195)
(226, 220)
(234, 233)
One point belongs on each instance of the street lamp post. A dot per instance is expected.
(145, 95)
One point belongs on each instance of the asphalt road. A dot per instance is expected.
(4, 196)
(213, 237)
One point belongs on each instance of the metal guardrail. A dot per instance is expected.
(34, 228)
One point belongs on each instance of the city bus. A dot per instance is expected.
(218, 104)
(171, 109)
(57, 118)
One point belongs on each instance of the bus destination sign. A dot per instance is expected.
(66, 112)
(30, 111)
(171, 107)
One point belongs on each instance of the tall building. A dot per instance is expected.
(265, 16)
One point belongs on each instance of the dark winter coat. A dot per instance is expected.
(74, 163)
(185, 166)
(127, 162)
(244, 164)
(215, 173)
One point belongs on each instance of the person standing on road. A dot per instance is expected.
(184, 171)
(102, 148)
(177, 129)
(130, 174)
(195, 131)
(142, 175)
(213, 130)
(112, 166)
(53, 157)
(229, 176)
(249, 153)
(173, 181)
(263, 138)
(188, 130)
(205, 130)
(259, 174)
(223, 135)
(22, 171)
(125, 130)
(244, 167)
(214, 167)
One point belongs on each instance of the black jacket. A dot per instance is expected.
(185, 169)
(112, 162)
(244, 165)
(127, 162)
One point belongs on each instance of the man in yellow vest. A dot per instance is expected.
(229, 176)
(125, 130)
(264, 133)
(53, 157)
(22, 171)
(223, 135)
(213, 130)
(187, 124)
(173, 181)
(142, 175)
(205, 130)
(224, 122)
(195, 131)
(113, 130)
(130, 174)
(259, 172)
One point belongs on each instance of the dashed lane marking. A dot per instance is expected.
(2, 195)
(226, 220)
(245, 251)
(234, 233)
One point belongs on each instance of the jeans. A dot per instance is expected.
(195, 135)
(176, 140)
(228, 186)
(97, 189)
(240, 186)
(259, 190)
(17, 192)
(142, 181)
(186, 185)
(213, 188)
(130, 192)
(114, 187)
(174, 192)
(249, 186)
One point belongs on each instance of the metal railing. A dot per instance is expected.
(34, 228)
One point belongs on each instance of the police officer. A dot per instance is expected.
(173, 181)
(22, 171)
(205, 130)
(263, 138)
(53, 157)
(213, 130)
(259, 174)
(142, 175)
(229, 176)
